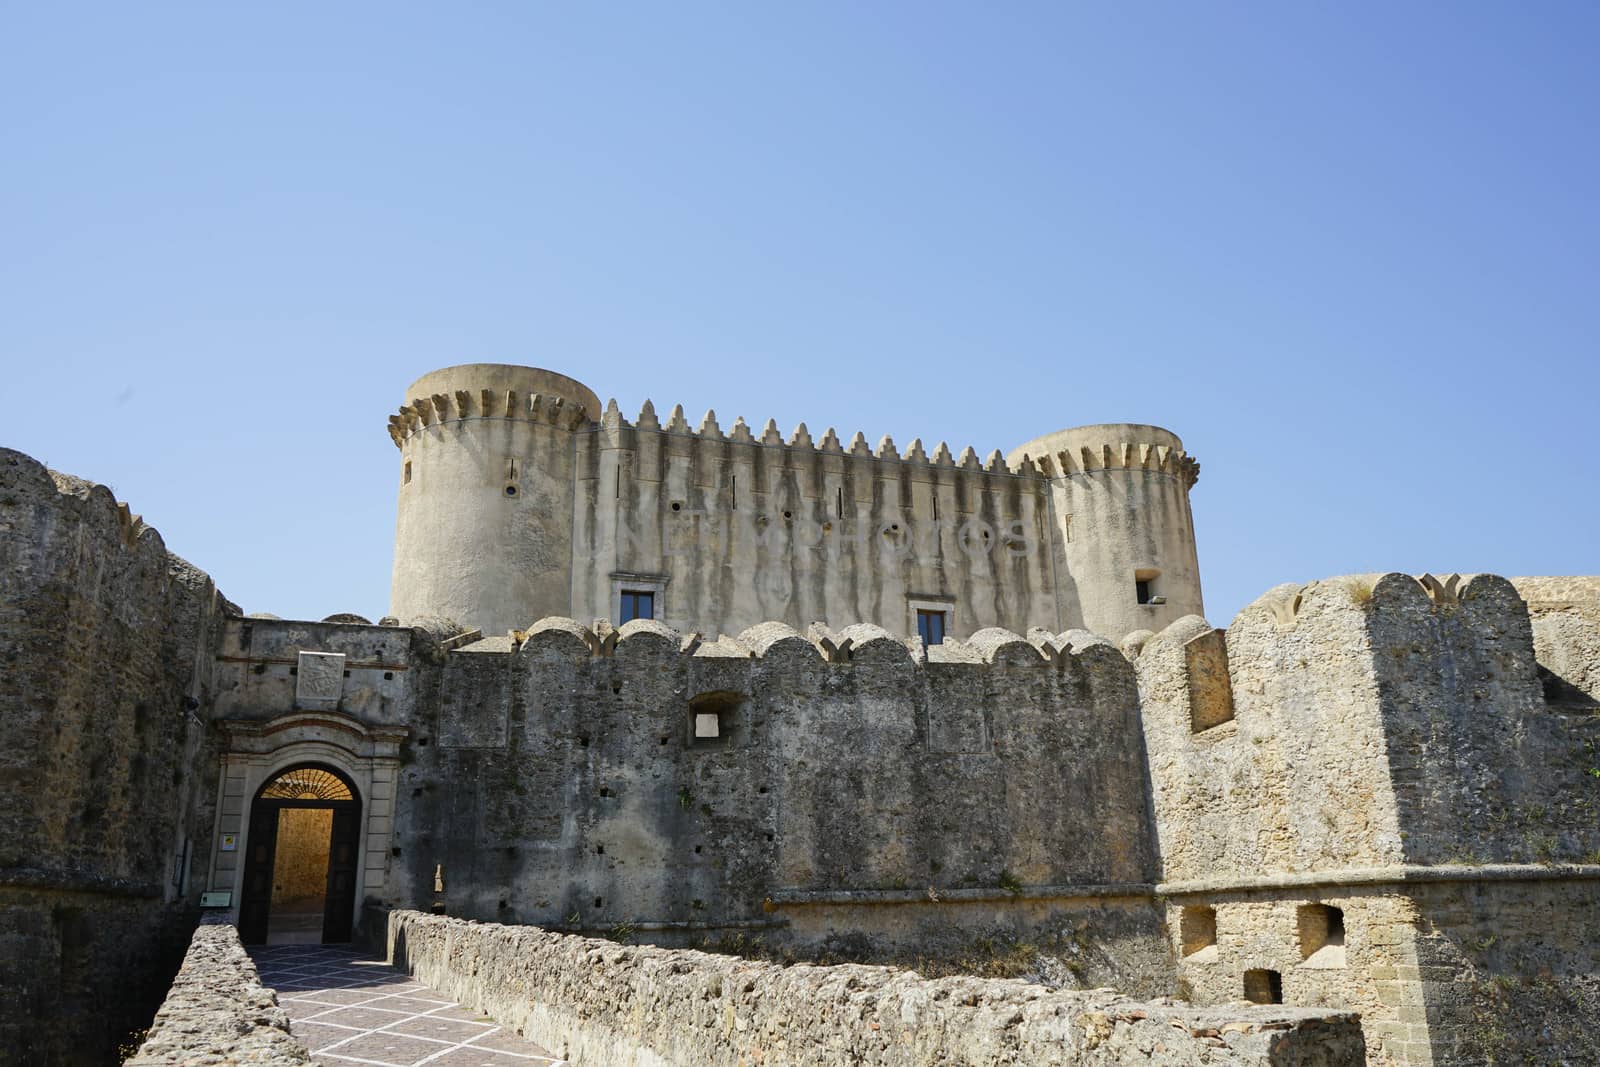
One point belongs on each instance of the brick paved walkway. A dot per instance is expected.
(351, 1009)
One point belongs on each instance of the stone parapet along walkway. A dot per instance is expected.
(350, 1009)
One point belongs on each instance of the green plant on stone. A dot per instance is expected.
(1010, 883)
(1544, 847)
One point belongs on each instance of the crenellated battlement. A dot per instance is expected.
(463, 404)
(1123, 455)
(1110, 446)
(992, 646)
(618, 431)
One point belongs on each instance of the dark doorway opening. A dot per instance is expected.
(300, 867)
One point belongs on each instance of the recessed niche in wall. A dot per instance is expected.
(1263, 987)
(1321, 929)
(1197, 929)
(714, 718)
(1210, 688)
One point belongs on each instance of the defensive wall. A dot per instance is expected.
(1364, 797)
(520, 498)
(597, 1002)
(106, 647)
(856, 792)
(1380, 790)
(217, 1011)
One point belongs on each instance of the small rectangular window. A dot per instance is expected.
(637, 604)
(1141, 587)
(1197, 928)
(1263, 986)
(1321, 934)
(930, 626)
(407, 480)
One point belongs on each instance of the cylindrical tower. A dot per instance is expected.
(486, 495)
(1124, 536)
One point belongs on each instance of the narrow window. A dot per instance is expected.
(637, 604)
(1321, 928)
(930, 626)
(713, 719)
(1263, 987)
(733, 493)
(407, 478)
(1197, 926)
(1145, 587)
(841, 501)
(1142, 590)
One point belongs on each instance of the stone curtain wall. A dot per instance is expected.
(857, 796)
(1390, 755)
(600, 1003)
(218, 1012)
(107, 640)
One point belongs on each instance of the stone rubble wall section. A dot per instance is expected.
(218, 1012)
(107, 641)
(1565, 613)
(600, 1003)
(1384, 745)
(1447, 751)
(560, 784)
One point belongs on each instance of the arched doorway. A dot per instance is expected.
(300, 871)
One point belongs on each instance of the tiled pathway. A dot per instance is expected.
(350, 1009)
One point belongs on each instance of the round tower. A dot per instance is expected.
(1124, 536)
(484, 535)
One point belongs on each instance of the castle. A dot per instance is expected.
(683, 685)
(521, 499)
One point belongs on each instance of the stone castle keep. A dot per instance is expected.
(647, 686)
(516, 505)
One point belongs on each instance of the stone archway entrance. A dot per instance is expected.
(304, 850)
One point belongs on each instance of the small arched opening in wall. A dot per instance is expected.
(714, 719)
(304, 850)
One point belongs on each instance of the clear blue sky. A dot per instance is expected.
(1349, 252)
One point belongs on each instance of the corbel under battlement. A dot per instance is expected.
(462, 404)
(1122, 455)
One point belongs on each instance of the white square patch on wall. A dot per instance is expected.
(706, 725)
(319, 678)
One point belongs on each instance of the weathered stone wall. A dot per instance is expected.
(599, 1003)
(1483, 770)
(1565, 613)
(1252, 792)
(1512, 969)
(1390, 759)
(217, 1011)
(106, 644)
(857, 791)
(1446, 750)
